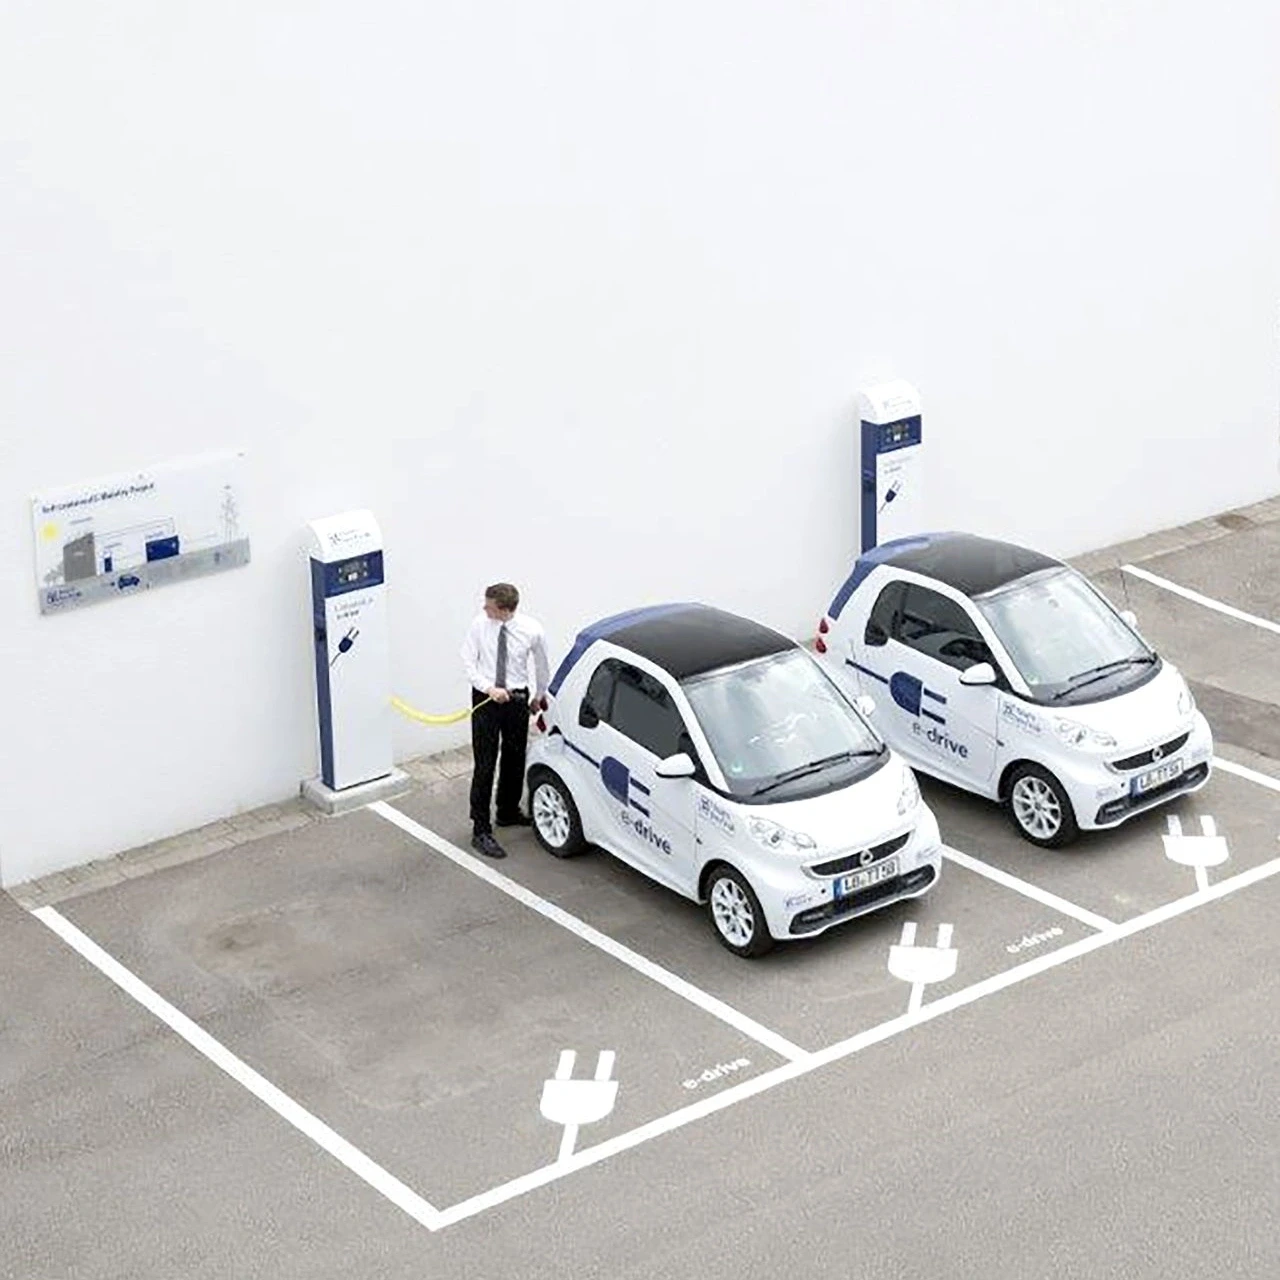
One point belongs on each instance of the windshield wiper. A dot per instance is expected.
(1096, 673)
(814, 766)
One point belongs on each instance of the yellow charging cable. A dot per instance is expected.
(424, 717)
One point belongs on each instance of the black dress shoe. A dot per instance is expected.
(488, 846)
(516, 820)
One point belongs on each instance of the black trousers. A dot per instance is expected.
(499, 737)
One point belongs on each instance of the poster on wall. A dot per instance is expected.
(117, 536)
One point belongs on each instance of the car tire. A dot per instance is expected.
(556, 824)
(736, 916)
(1040, 808)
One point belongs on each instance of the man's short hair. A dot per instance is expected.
(503, 594)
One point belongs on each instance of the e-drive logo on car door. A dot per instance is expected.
(910, 693)
(619, 783)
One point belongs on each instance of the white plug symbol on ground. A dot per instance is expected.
(922, 965)
(577, 1102)
(1207, 850)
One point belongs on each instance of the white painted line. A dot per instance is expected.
(633, 959)
(1262, 779)
(846, 1048)
(568, 1138)
(1187, 594)
(1042, 896)
(284, 1106)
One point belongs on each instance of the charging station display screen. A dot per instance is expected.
(352, 571)
(894, 435)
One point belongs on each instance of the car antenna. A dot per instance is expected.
(1128, 604)
(1124, 585)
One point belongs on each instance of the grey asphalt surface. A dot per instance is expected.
(1116, 1115)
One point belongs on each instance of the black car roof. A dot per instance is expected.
(970, 564)
(692, 639)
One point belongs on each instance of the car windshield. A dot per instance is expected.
(779, 725)
(1064, 639)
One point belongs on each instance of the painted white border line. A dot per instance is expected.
(1187, 594)
(846, 1048)
(1262, 779)
(633, 959)
(1043, 896)
(284, 1106)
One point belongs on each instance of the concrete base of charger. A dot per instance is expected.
(325, 798)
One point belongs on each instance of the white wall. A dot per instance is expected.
(579, 295)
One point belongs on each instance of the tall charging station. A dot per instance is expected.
(892, 487)
(351, 642)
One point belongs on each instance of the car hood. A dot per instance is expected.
(1146, 714)
(863, 813)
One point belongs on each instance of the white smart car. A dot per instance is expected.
(1009, 675)
(718, 758)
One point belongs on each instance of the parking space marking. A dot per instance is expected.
(1187, 594)
(846, 1048)
(1042, 896)
(570, 1162)
(279, 1102)
(1262, 779)
(633, 959)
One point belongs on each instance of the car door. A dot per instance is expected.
(947, 727)
(870, 662)
(653, 817)
(588, 743)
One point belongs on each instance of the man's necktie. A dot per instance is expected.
(500, 675)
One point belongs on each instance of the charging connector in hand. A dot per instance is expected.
(1206, 850)
(573, 1103)
(922, 965)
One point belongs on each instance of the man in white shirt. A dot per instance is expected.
(497, 654)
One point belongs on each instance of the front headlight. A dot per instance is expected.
(1075, 734)
(773, 836)
(910, 796)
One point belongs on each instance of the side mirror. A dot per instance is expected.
(865, 704)
(1129, 616)
(676, 766)
(979, 673)
(588, 717)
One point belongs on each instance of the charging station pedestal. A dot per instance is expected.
(892, 466)
(353, 664)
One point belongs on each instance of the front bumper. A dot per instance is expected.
(1105, 797)
(806, 904)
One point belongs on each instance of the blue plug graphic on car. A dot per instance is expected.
(909, 692)
(619, 783)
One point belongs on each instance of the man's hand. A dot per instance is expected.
(499, 695)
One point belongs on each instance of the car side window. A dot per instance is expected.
(598, 698)
(932, 624)
(644, 711)
(880, 621)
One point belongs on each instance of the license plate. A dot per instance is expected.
(865, 878)
(1156, 777)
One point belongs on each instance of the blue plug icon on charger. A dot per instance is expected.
(345, 644)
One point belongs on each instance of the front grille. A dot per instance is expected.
(1144, 758)
(816, 917)
(852, 861)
